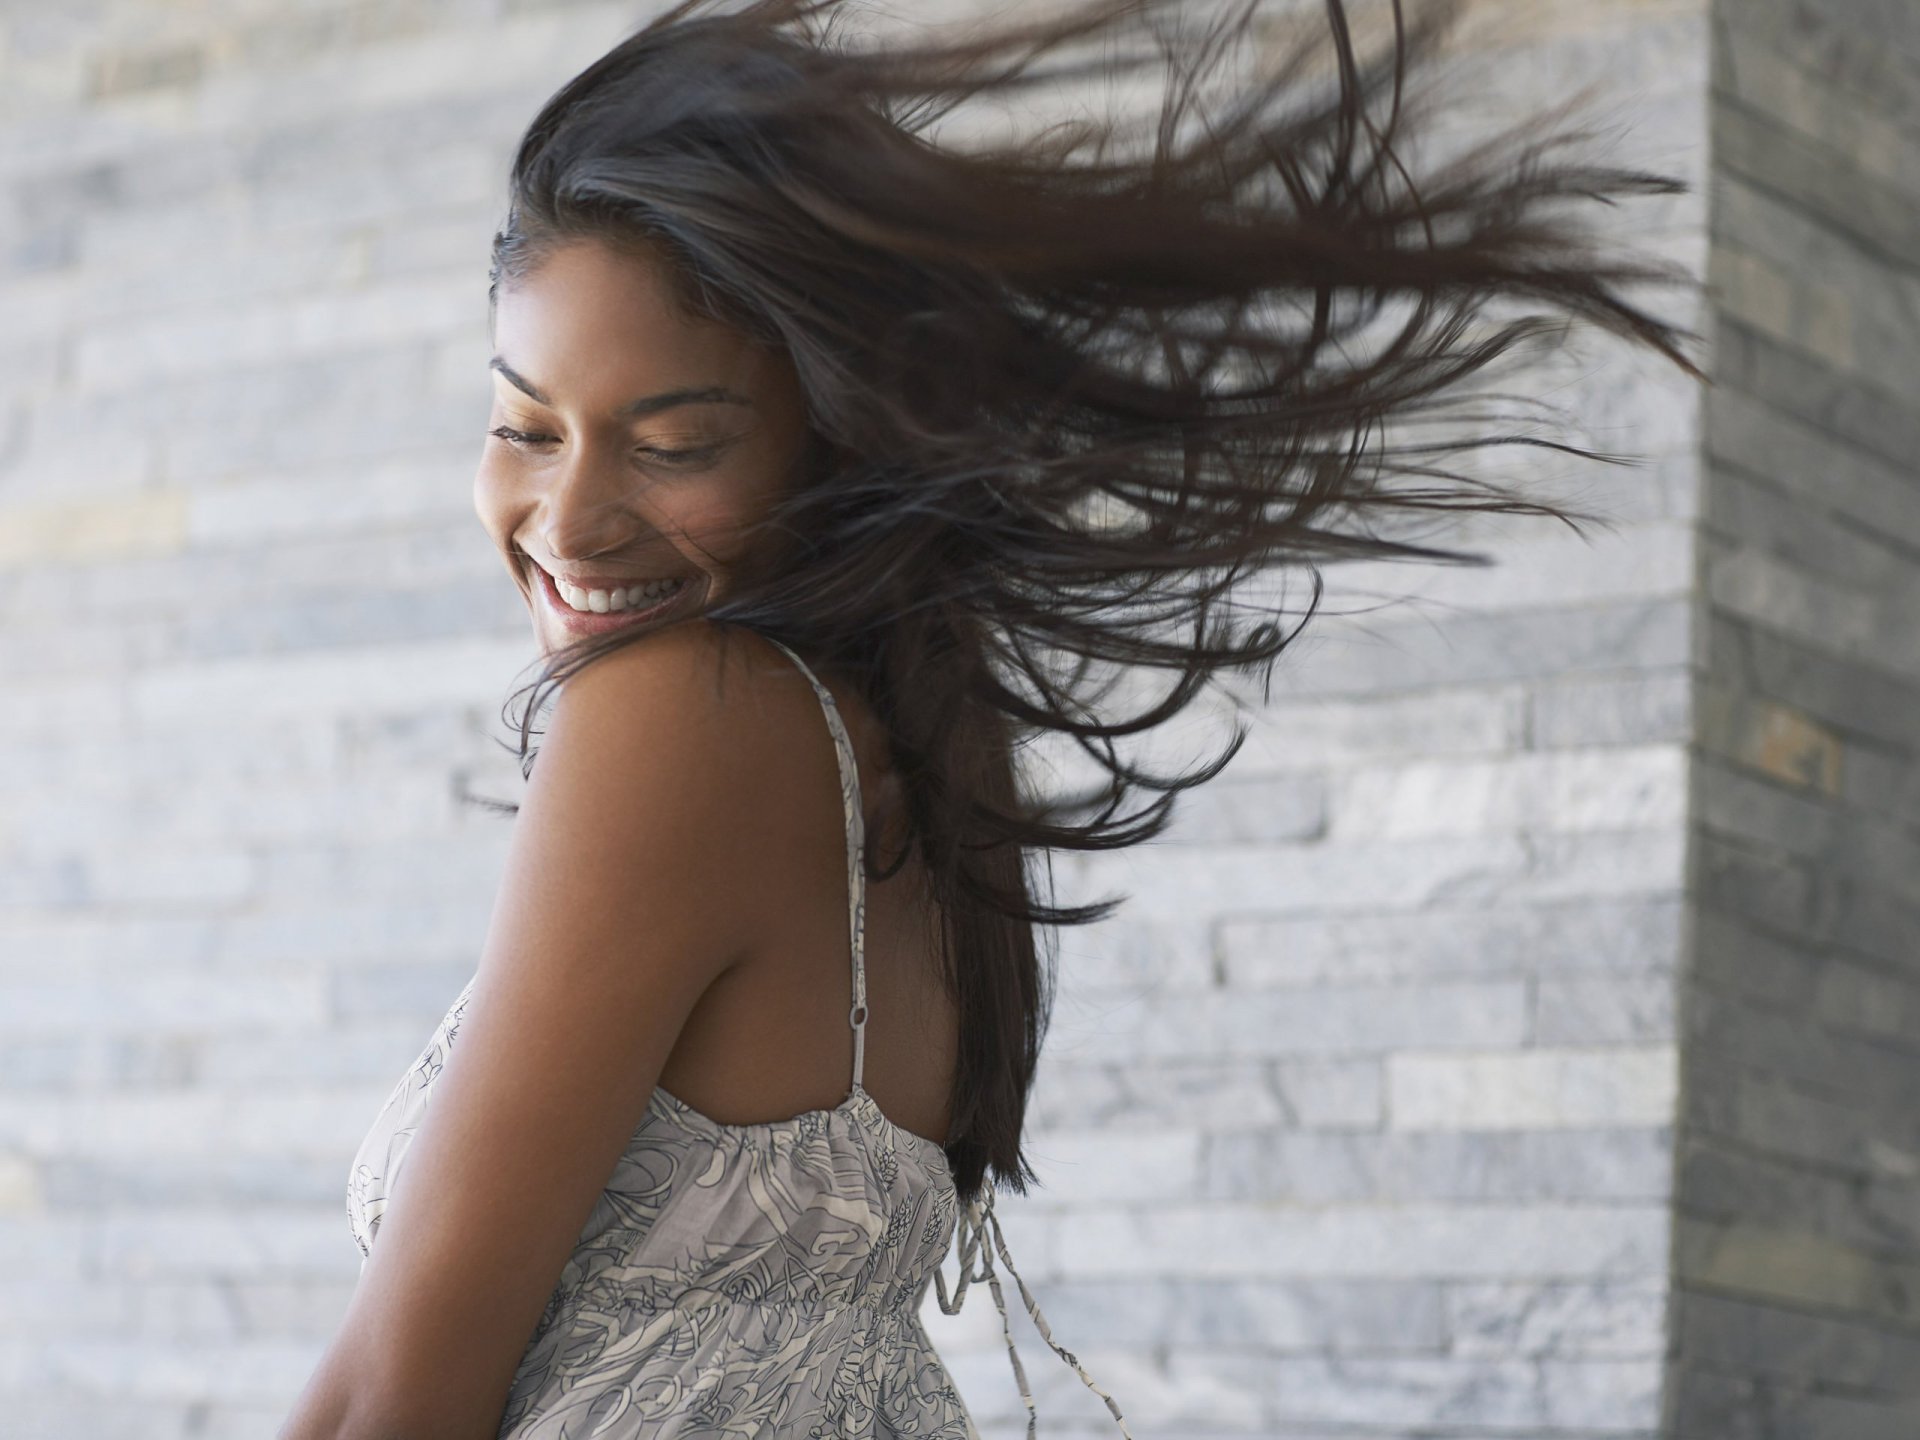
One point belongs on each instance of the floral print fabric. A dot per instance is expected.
(737, 1280)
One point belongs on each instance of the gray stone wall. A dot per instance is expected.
(1359, 1120)
(1797, 1243)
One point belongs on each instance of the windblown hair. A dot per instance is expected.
(1069, 391)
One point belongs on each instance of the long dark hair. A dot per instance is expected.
(1069, 390)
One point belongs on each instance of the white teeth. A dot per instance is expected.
(600, 602)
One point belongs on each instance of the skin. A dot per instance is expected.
(673, 908)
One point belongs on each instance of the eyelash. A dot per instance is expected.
(521, 439)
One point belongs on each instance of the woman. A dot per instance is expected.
(836, 464)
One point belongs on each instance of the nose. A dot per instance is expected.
(589, 508)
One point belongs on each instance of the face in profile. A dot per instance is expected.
(630, 446)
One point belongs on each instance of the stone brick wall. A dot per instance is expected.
(1797, 1255)
(1359, 1120)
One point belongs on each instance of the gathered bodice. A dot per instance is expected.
(799, 1230)
(847, 1180)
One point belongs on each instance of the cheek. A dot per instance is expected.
(717, 512)
(498, 502)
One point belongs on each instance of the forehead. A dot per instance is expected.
(590, 319)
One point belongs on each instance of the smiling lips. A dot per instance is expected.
(631, 597)
(597, 608)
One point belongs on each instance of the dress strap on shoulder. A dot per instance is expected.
(856, 857)
(976, 1263)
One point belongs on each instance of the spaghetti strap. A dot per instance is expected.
(977, 1219)
(856, 858)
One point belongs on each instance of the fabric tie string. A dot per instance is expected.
(976, 1222)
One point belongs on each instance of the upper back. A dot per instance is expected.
(772, 1037)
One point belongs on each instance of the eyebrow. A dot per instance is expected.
(634, 409)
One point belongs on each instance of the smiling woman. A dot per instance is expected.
(635, 445)
(836, 464)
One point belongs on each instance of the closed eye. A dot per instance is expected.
(693, 455)
(519, 437)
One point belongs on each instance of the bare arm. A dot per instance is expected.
(628, 891)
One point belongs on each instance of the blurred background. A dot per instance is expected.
(1520, 1040)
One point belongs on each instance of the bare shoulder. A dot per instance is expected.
(700, 749)
(720, 699)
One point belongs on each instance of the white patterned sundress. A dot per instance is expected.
(758, 1280)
